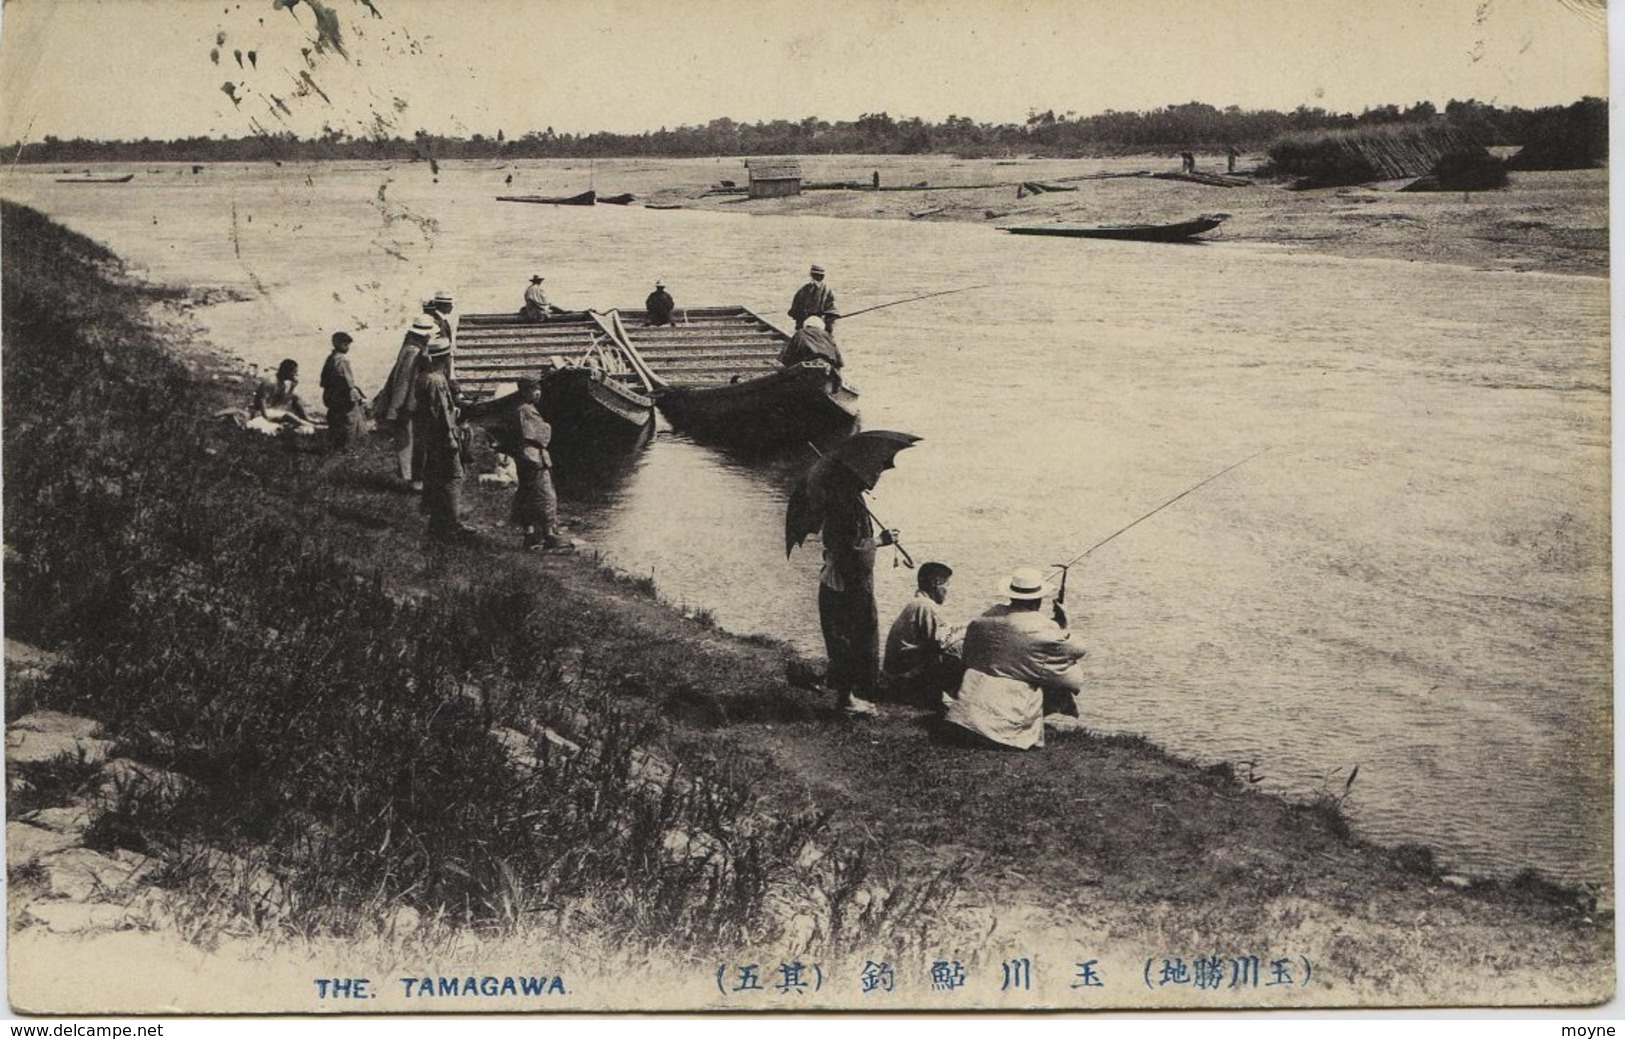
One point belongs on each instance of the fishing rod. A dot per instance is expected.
(911, 299)
(908, 560)
(1189, 490)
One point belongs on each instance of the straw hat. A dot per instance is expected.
(660, 284)
(443, 297)
(422, 325)
(1025, 582)
(817, 271)
(534, 278)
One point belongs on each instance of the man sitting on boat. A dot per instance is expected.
(660, 305)
(811, 344)
(536, 308)
(922, 659)
(814, 299)
(1013, 656)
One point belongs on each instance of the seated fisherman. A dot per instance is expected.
(660, 305)
(922, 649)
(1014, 656)
(536, 307)
(811, 344)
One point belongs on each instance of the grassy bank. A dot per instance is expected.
(351, 736)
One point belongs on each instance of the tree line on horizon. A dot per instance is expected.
(1581, 127)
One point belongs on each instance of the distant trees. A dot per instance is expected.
(1579, 131)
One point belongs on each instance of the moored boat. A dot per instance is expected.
(594, 394)
(586, 198)
(1126, 232)
(96, 180)
(723, 379)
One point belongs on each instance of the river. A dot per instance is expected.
(1412, 577)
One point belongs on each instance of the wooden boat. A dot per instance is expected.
(596, 395)
(586, 198)
(96, 180)
(624, 199)
(722, 379)
(1126, 232)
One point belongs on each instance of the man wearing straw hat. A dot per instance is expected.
(398, 399)
(440, 310)
(660, 305)
(1013, 656)
(437, 434)
(536, 308)
(814, 299)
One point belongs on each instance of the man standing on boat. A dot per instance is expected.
(814, 299)
(438, 432)
(660, 305)
(398, 399)
(536, 308)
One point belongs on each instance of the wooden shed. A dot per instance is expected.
(774, 178)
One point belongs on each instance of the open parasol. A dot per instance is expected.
(861, 456)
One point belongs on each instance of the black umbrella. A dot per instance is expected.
(863, 456)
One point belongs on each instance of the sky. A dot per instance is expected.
(157, 68)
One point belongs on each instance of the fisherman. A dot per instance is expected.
(814, 299)
(438, 433)
(536, 308)
(1016, 658)
(1230, 157)
(811, 344)
(341, 397)
(278, 401)
(922, 662)
(398, 399)
(535, 503)
(660, 305)
(1187, 162)
(846, 594)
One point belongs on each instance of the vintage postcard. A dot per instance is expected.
(873, 506)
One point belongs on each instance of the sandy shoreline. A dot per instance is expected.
(1554, 222)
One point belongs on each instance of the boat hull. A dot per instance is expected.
(591, 412)
(1128, 233)
(806, 401)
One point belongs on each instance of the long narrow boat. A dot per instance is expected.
(96, 180)
(723, 380)
(596, 397)
(586, 198)
(1126, 232)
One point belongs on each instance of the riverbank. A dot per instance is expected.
(1555, 222)
(225, 603)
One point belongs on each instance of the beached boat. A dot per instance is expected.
(595, 393)
(96, 180)
(586, 198)
(1126, 232)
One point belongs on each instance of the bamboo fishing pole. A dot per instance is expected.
(1124, 529)
(911, 299)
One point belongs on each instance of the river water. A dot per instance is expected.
(1412, 577)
